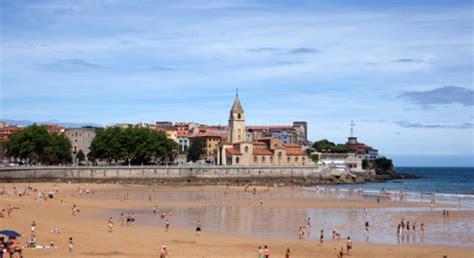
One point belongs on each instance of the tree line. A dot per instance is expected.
(37, 145)
(134, 146)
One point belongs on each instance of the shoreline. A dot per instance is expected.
(208, 202)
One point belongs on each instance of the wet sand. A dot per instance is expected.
(234, 225)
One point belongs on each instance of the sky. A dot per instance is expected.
(401, 70)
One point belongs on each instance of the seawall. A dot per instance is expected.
(305, 175)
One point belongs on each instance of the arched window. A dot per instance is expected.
(239, 131)
(246, 149)
(237, 160)
(239, 116)
(255, 159)
(263, 159)
(239, 137)
(303, 159)
(288, 159)
(271, 159)
(296, 159)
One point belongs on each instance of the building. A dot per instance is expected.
(296, 133)
(341, 161)
(264, 151)
(81, 139)
(361, 150)
(7, 131)
(55, 129)
(211, 142)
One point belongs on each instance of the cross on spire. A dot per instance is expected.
(237, 93)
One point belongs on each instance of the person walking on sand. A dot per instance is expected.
(198, 228)
(321, 236)
(122, 219)
(110, 224)
(163, 252)
(288, 253)
(367, 227)
(70, 244)
(167, 225)
(266, 252)
(349, 245)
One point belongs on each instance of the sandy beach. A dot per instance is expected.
(234, 221)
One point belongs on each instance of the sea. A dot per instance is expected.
(438, 180)
(450, 184)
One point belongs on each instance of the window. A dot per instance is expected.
(288, 159)
(246, 149)
(237, 160)
(303, 159)
(210, 145)
(271, 159)
(239, 116)
(239, 137)
(296, 159)
(255, 159)
(263, 159)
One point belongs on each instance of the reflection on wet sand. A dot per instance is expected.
(240, 213)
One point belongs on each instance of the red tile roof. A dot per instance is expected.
(262, 152)
(291, 145)
(233, 151)
(258, 143)
(294, 152)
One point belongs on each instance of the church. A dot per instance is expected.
(267, 151)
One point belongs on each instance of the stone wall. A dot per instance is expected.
(310, 174)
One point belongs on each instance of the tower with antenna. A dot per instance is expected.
(351, 139)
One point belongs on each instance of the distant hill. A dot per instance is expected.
(65, 124)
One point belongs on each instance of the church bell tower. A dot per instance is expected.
(237, 122)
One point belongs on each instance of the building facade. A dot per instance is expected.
(239, 151)
(81, 139)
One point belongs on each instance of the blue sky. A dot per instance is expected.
(402, 71)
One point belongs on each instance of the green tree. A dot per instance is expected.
(330, 147)
(383, 166)
(196, 149)
(365, 164)
(38, 145)
(80, 156)
(132, 146)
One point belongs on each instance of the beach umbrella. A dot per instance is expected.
(10, 233)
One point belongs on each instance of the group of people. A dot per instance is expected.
(404, 227)
(11, 246)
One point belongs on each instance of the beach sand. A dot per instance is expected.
(91, 239)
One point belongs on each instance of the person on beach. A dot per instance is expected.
(74, 210)
(321, 236)
(122, 219)
(408, 226)
(33, 228)
(167, 225)
(110, 224)
(198, 228)
(366, 226)
(266, 252)
(133, 218)
(308, 222)
(261, 252)
(288, 253)
(349, 245)
(163, 252)
(71, 244)
(422, 228)
(129, 219)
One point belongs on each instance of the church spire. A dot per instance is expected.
(237, 107)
